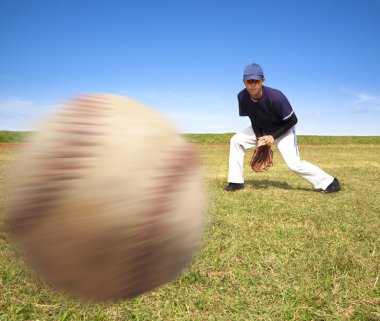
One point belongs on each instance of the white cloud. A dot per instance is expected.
(318, 114)
(364, 97)
(214, 127)
(198, 116)
(202, 122)
(170, 96)
(362, 102)
(21, 114)
(16, 105)
(366, 104)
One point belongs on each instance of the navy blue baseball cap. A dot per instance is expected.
(253, 71)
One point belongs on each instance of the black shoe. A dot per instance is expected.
(333, 187)
(232, 187)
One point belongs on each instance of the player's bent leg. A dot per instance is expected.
(311, 173)
(287, 145)
(239, 143)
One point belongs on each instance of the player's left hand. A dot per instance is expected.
(266, 140)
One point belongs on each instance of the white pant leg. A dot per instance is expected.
(287, 145)
(239, 143)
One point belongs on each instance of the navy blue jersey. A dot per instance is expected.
(269, 114)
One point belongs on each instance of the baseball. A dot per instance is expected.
(107, 199)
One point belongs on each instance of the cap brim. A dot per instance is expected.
(249, 77)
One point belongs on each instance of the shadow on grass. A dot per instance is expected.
(265, 183)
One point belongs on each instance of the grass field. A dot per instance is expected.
(275, 251)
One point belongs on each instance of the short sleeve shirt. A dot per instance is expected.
(269, 112)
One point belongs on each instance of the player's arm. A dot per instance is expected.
(258, 131)
(286, 125)
(283, 109)
(269, 139)
(244, 112)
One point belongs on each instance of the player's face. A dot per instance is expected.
(254, 87)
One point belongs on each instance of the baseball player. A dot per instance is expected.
(272, 122)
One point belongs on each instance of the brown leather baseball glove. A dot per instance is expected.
(262, 158)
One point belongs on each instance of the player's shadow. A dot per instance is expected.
(265, 183)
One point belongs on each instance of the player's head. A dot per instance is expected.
(253, 79)
(253, 72)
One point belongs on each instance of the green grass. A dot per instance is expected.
(217, 139)
(302, 139)
(275, 251)
(7, 136)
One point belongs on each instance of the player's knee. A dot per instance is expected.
(294, 166)
(235, 140)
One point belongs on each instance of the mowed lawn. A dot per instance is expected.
(277, 250)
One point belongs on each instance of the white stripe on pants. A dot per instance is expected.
(287, 146)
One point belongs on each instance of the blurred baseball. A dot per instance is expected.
(107, 199)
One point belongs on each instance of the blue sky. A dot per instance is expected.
(186, 58)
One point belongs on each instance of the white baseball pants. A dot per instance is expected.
(287, 146)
